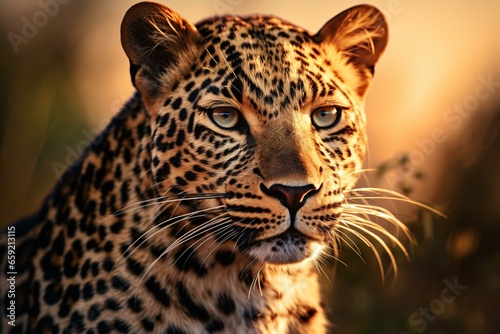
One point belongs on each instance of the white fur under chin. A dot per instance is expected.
(288, 253)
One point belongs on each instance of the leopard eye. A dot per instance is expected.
(326, 117)
(225, 117)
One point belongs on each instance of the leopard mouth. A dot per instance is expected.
(289, 247)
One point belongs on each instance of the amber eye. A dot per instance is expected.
(225, 117)
(326, 117)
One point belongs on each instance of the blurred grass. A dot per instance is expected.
(42, 114)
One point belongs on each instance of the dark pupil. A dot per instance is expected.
(225, 114)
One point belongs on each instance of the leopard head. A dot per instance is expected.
(257, 122)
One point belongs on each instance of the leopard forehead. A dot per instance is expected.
(267, 64)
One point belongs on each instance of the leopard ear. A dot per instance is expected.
(155, 38)
(359, 33)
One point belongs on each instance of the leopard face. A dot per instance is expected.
(258, 121)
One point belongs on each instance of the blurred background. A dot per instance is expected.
(433, 113)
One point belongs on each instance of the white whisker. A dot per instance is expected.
(352, 246)
(204, 238)
(353, 194)
(374, 249)
(256, 282)
(171, 221)
(195, 232)
(368, 224)
(226, 233)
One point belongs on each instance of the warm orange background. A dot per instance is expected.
(64, 84)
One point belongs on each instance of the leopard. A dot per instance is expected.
(211, 198)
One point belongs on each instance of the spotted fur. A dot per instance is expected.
(206, 203)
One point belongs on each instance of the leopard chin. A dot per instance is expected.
(289, 247)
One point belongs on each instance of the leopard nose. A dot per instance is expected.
(293, 198)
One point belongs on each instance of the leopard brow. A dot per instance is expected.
(338, 100)
(213, 98)
(209, 103)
